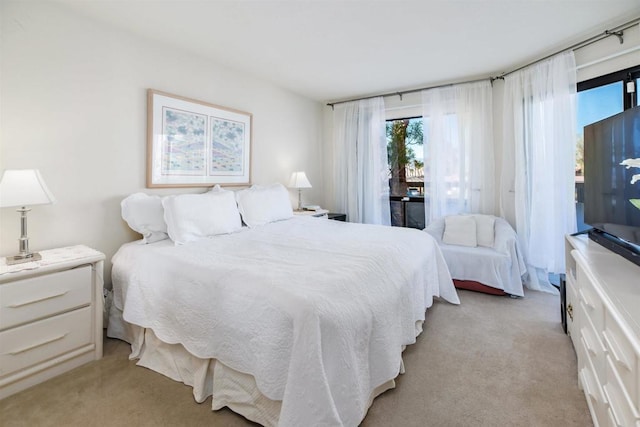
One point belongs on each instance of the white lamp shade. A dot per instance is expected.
(299, 180)
(23, 187)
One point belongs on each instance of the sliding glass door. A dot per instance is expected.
(598, 99)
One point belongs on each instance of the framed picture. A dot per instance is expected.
(195, 144)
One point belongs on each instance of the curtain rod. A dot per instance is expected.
(615, 31)
(404, 92)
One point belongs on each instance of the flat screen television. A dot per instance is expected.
(611, 193)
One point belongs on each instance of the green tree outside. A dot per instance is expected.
(402, 136)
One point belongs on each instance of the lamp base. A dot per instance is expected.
(19, 259)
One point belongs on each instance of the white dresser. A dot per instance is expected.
(50, 316)
(603, 320)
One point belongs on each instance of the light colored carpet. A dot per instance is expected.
(492, 361)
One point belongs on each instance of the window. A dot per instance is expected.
(406, 171)
(405, 155)
(598, 99)
(594, 105)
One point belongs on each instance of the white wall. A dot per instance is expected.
(73, 96)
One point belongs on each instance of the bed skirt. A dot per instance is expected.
(208, 377)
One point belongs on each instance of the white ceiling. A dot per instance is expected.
(332, 50)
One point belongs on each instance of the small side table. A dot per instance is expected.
(320, 213)
(50, 316)
(337, 216)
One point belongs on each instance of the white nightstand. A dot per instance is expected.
(320, 213)
(50, 316)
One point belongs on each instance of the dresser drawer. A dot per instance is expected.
(573, 323)
(596, 400)
(621, 410)
(35, 298)
(36, 342)
(591, 347)
(590, 299)
(623, 358)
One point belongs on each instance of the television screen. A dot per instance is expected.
(612, 176)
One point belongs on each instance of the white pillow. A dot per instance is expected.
(460, 230)
(191, 217)
(260, 205)
(145, 215)
(485, 230)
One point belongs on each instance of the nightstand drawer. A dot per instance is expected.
(35, 298)
(36, 342)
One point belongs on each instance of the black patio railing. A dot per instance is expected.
(407, 211)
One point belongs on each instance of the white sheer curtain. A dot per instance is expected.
(458, 150)
(538, 175)
(361, 169)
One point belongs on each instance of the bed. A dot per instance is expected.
(299, 321)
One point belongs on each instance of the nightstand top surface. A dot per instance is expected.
(52, 259)
(319, 212)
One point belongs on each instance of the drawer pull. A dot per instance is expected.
(586, 300)
(586, 384)
(22, 304)
(610, 409)
(31, 347)
(587, 343)
(612, 418)
(618, 358)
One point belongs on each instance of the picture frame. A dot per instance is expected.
(192, 143)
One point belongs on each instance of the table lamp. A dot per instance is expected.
(299, 180)
(21, 188)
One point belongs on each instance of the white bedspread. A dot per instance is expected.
(318, 311)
